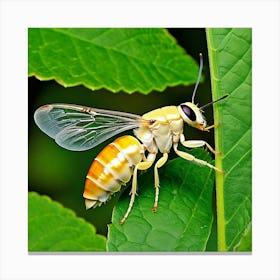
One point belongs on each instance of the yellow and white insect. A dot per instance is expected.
(80, 128)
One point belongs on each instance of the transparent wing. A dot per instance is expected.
(80, 128)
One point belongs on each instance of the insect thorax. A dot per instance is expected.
(163, 132)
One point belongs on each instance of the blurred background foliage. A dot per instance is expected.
(60, 173)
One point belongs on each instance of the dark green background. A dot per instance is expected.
(60, 173)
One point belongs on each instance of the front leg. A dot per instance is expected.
(196, 144)
(212, 126)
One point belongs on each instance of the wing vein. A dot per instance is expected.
(79, 128)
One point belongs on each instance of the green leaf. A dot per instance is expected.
(53, 228)
(128, 59)
(245, 244)
(230, 57)
(184, 216)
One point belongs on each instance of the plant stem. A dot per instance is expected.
(218, 144)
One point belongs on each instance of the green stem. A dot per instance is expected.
(218, 144)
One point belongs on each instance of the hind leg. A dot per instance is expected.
(144, 165)
(158, 164)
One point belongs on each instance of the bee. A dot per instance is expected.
(80, 128)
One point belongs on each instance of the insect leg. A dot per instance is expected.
(212, 126)
(140, 166)
(196, 144)
(158, 164)
(190, 157)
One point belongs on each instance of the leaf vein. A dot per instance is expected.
(240, 160)
(196, 204)
(113, 49)
(246, 198)
(244, 136)
(229, 70)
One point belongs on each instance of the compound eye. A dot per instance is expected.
(188, 112)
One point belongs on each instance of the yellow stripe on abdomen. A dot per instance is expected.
(112, 167)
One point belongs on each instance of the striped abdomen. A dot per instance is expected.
(112, 168)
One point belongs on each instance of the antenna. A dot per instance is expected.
(212, 102)
(198, 77)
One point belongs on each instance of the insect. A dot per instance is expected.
(80, 128)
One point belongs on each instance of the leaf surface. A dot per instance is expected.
(230, 58)
(245, 244)
(128, 59)
(184, 216)
(53, 228)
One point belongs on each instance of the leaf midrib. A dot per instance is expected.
(218, 143)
